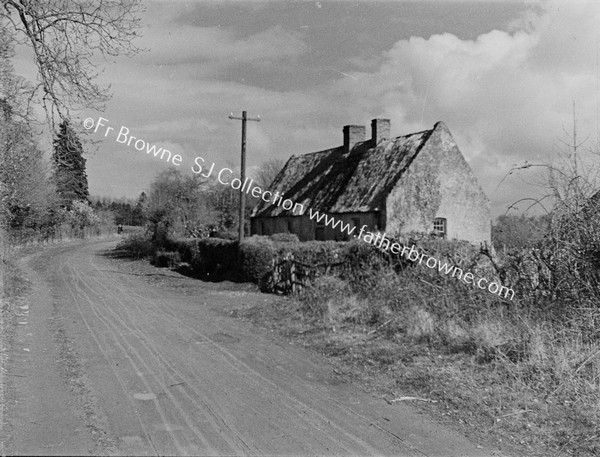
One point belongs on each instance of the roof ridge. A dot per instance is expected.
(318, 152)
(421, 132)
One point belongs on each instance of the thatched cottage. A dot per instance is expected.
(413, 183)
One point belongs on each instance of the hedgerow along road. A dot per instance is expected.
(106, 359)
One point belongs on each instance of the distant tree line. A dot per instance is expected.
(124, 211)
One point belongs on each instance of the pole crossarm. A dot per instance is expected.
(257, 118)
(244, 118)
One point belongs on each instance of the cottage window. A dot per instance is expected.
(439, 227)
(261, 229)
(289, 227)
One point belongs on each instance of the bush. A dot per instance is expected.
(215, 259)
(225, 234)
(256, 258)
(187, 248)
(166, 259)
(365, 264)
(317, 299)
(285, 238)
(137, 244)
(312, 252)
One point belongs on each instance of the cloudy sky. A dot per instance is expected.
(503, 76)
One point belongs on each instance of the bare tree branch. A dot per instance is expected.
(65, 36)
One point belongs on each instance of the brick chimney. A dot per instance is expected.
(352, 135)
(380, 130)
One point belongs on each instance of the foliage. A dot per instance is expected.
(179, 202)
(215, 259)
(285, 238)
(256, 258)
(81, 214)
(64, 36)
(166, 259)
(268, 171)
(511, 232)
(561, 268)
(25, 192)
(32, 206)
(464, 337)
(136, 244)
(318, 298)
(69, 166)
(14, 90)
(187, 248)
(124, 211)
(191, 206)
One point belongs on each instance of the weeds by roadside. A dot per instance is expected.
(529, 379)
(136, 244)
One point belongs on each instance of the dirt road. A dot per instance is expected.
(108, 361)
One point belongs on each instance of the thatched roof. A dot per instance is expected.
(332, 181)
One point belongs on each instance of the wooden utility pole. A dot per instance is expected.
(244, 118)
(575, 140)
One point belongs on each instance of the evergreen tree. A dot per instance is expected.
(69, 166)
(140, 209)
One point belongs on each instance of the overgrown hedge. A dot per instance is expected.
(166, 259)
(186, 247)
(215, 259)
(256, 258)
(218, 259)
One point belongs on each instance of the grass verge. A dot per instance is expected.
(522, 380)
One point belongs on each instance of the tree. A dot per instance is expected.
(180, 203)
(266, 173)
(69, 166)
(14, 90)
(519, 232)
(568, 255)
(64, 36)
(25, 193)
(139, 211)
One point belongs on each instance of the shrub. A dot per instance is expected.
(215, 259)
(187, 248)
(166, 259)
(256, 258)
(320, 297)
(312, 252)
(137, 244)
(365, 264)
(225, 234)
(285, 238)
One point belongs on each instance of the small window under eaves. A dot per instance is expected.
(440, 227)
